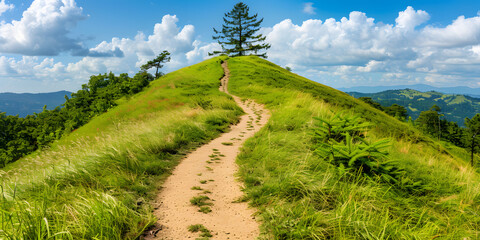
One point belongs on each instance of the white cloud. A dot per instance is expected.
(43, 29)
(5, 7)
(308, 8)
(410, 18)
(124, 55)
(462, 32)
(180, 42)
(353, 50)
(357, 48)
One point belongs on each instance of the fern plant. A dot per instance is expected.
(341, 141)
(338, 126)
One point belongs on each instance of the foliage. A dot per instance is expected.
(341, 140)
(157, 63)
(239, 31)
(338, 127)
(397, 111)
(205, 233)
(429, 121)
(99, 182)
(473, 134)
(21, 136)
(301, 196)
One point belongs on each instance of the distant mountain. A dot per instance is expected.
(24, 104)
(455, 107)
(472, 92)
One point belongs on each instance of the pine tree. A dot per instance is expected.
(473, 134)
(238, 31)
(157, 63)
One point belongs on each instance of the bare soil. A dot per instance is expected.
(210, 171)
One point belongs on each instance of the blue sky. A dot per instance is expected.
(50, 45)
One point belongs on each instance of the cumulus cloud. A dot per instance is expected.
(308, 8)
(43, 29)
(462, 32)
(353, 50)
(118, 55)
(129, 54)
(357, 48)
(5, 7)
(410, 18)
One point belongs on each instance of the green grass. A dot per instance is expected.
(302, 196)
(205, 209)
(199, 201)
(202, 202)
(99, 182)
(205, 233)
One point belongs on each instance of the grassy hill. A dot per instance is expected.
(455, 107)
(99, 181)
(302, 196)
(24, 104)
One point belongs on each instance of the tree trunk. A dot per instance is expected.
(240, 36)
(472, 149)
(439, 131)
(156, 73)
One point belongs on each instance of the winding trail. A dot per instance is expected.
(210, 170)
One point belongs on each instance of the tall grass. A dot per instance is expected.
(100, 181)
(302, 196)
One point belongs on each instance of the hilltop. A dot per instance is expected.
(325, 165)
(460, 90)
(455, 107)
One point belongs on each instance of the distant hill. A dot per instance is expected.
(24, 104)
(455, 107)
(472, 92)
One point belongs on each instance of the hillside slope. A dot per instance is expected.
(455, 107)
(302, 194)
(99, 182)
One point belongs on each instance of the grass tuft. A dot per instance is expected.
(205, 209)
(200, 201)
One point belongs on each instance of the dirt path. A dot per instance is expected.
(209, 171)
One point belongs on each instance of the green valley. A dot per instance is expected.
(455, 107)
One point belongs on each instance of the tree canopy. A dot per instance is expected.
(157, 63)
(428, 121)
(238, 35)
(20, 136)
(473, 134)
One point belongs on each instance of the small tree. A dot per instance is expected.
(429, 121)
(157, 63)
(238, 31)
(473, 134)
